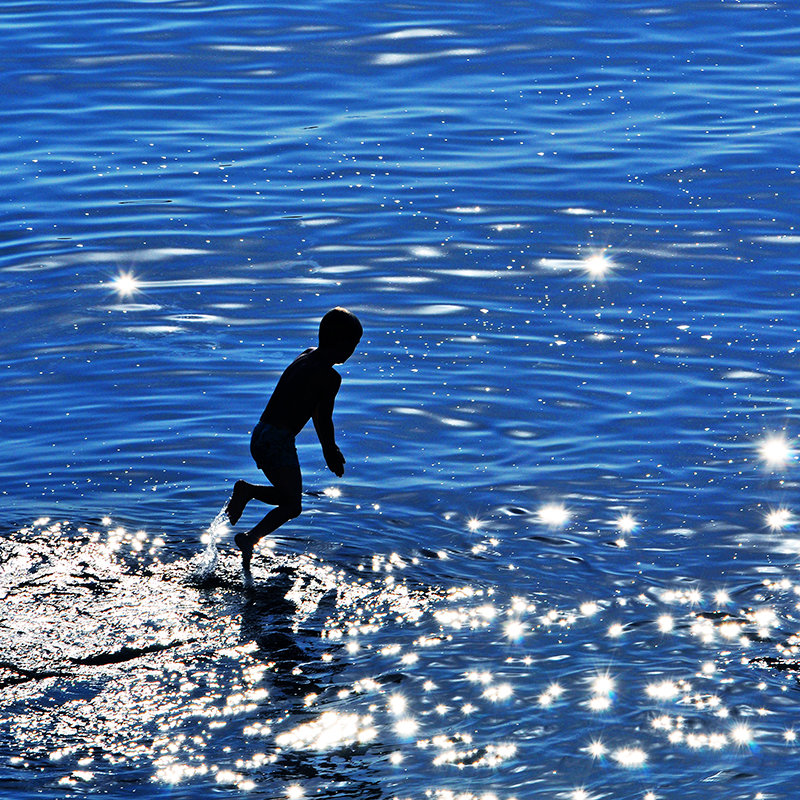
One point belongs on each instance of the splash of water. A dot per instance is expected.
(207, 562)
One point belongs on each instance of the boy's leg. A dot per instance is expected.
(287, 491)
(244, 492)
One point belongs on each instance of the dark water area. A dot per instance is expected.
(563, 559)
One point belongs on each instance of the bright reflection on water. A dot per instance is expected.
(776, 451)
(156, 670)
(125, 285)
(598, 265)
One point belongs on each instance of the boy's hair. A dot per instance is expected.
(340, 325)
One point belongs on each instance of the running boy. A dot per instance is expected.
(306, 390)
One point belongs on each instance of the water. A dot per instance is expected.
(562, 562)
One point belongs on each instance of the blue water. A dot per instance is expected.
(563, 559)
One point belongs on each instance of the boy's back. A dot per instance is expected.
(304, 384)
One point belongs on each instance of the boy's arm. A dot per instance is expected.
(323, 425)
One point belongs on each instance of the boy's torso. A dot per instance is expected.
(300, 388)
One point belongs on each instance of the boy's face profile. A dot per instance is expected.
(343, 350)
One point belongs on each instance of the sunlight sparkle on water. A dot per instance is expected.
(589, 608)
(597, 265)
(125, 284)
(665, 623)
(406, 727)
(775, 451)
(600, 703)
(554, 514)
(329, 731)
(552, 693)
(778, 518)
(514, 629)
(626, 523)
(602, 689)
(630, 757)
(603, 685)
(765, 617)
(663, 690)
(721, 597)
(596, 749)
(500, 692)
(742, 734)
(397, 704)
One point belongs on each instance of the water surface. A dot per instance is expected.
(562, 561)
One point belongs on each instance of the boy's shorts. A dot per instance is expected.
(273, 448)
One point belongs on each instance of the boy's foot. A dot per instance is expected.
(237, 502)
(246, 546)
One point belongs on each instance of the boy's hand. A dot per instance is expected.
(335, 460)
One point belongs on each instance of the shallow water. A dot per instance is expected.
(562, 562)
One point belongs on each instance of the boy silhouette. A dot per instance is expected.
(306, 390)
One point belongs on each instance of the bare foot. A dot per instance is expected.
(246, 546)
(237, 502)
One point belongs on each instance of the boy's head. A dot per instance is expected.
(340, 331)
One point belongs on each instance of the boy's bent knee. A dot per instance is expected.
(292, 508)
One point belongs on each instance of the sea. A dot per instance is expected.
(563, 561)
